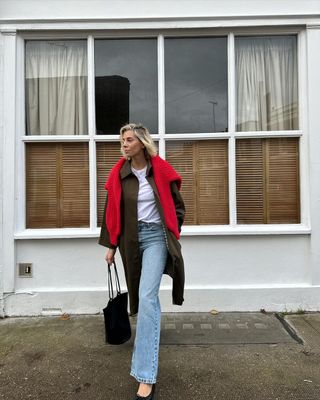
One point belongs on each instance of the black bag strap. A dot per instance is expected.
(110, 285)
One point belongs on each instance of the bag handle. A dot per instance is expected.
(110, 285)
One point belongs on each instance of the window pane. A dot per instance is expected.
(268, 181)
(267, 83)
(126, 84)
(57, 179)
(203, 166)
(56, 87)
(196, 86)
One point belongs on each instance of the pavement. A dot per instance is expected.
(227, 356)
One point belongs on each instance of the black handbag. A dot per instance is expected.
(116, 318)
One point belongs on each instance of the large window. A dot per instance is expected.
(267, 83)
(56, 88)
(196, 86)
(228, 121)
(126, 84)
(267, 170)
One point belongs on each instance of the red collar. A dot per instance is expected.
(163, 174)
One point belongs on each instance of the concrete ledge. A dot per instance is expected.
(91, 301)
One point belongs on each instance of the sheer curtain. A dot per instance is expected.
(267, 83)
(56, 88)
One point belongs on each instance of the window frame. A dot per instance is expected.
(192, 230)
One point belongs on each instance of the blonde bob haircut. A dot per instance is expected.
(142, 133)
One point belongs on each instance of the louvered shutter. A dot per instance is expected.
(108, 154)
(283, 181)
(250, 177)
(57, 185)
(203, 166)
(267, 172)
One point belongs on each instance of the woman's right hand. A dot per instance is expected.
(110, 256)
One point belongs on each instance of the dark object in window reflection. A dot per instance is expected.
(112, 103)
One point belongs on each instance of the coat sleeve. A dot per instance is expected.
(104, 239)
(178, 203)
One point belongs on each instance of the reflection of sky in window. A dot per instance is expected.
(196, 75)
(135, 59)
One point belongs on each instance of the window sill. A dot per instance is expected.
(204, 230)
(55, 233)
(274, 229)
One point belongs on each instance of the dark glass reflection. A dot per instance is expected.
(126, 84)
(196, 85)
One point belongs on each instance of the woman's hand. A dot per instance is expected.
(110, 256)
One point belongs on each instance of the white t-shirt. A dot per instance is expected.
(147, 209)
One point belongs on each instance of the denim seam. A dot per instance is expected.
(142, 380)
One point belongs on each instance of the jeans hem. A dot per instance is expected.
(142, 380)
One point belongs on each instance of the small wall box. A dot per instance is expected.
(25, 270)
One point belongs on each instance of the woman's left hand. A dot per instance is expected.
(110, 256)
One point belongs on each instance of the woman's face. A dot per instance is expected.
(131, 145)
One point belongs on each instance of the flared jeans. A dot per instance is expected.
(153, 249)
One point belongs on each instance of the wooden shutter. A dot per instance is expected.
(74, 174)
(57, 185)
(250, 186)
(181, 156)
(283, 181)
(268, 181)
(203, 166)
(42, 185)
(108, 154)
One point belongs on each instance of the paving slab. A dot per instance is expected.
(224, 328)
(50, 358)
(307, 326)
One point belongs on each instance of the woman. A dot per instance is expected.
(143, 216)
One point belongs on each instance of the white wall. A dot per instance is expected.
(1, 180)
(238, 272)
(225, 273)
(313, 39)
(64, 9)
(213, 261)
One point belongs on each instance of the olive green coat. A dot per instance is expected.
(129, 242)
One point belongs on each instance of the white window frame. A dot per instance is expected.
(192, 230)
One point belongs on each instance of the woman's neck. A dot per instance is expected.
(138, 162)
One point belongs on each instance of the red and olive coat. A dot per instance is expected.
(128, 239)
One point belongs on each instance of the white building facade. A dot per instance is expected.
(230, 91)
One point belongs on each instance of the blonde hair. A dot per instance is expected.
(142, 133)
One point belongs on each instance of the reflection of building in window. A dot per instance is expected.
(284, 117)
(112, 103)
(261, 113)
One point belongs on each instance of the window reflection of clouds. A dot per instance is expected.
(136, 60)
(196, 74)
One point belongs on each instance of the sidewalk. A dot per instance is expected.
(228, 356)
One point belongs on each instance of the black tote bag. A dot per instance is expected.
(116, 318)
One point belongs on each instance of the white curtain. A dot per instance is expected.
(56, 88)
(267, 83)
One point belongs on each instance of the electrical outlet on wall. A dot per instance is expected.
(25, 270)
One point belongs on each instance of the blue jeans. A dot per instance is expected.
(144, 365)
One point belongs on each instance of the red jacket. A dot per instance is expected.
(163, 174)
